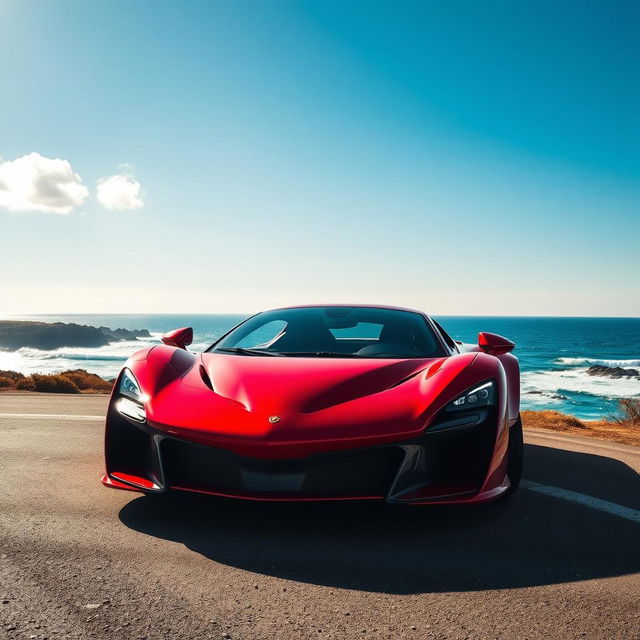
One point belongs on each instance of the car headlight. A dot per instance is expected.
(482, 395)
(131, 401)
(129, 386)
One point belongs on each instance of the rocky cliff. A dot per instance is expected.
(15, 334)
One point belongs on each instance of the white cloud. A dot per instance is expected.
(120, 192)
(36, 183)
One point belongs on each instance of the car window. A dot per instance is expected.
(335, 331)
(362, 331)
(263, 336)
(447, 338)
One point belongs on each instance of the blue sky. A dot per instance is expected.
(463, 158)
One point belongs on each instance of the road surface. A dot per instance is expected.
(559, 560)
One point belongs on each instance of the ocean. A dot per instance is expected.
(554, 353)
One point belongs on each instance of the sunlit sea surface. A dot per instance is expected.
(554, 353)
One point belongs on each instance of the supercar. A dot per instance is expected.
(320, 403)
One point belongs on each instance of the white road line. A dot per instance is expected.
(51, 416)
(581, 498)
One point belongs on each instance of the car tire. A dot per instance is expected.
(515, 455)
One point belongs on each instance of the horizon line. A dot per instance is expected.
(247, 313)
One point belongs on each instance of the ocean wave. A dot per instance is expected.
(542, 400)
(630, 362)
(28, 364)
(113, 351)
(105, 361)
(558, 382)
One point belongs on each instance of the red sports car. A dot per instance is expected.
(320, 403)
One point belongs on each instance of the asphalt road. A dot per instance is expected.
(561, 559)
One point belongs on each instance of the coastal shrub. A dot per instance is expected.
(53, 384)
(86, 381)
(6, 383)
(26, 384)
(72, 381)
(12, 375)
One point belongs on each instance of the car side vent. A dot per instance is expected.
(413, 375)
(205, 377)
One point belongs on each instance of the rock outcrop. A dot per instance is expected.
(612, 372)
(15, 334)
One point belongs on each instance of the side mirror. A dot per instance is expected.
(493, 344)
(178, 337)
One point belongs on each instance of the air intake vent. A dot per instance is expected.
(205, 377)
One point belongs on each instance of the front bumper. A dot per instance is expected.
(446, 464)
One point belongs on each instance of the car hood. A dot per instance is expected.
(248, 402)
(304, 385)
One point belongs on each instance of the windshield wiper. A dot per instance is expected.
(247, 352)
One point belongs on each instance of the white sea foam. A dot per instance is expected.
(79, 353)
(631, 362)
(550, 384)
(105, 360)
(541, 399)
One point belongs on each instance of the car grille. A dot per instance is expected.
(365, 472)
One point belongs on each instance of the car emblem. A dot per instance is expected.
(274, 419)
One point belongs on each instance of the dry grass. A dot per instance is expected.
(72, 381)
(630, 413)
(624, 428)
(553, 420)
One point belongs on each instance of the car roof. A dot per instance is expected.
(361, 306)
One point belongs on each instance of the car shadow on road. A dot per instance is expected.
(529, 540)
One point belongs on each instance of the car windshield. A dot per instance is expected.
(340, 332)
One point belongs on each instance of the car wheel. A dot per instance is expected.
(515, 455)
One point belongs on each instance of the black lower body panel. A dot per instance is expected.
(365, 472)
(440, 464)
